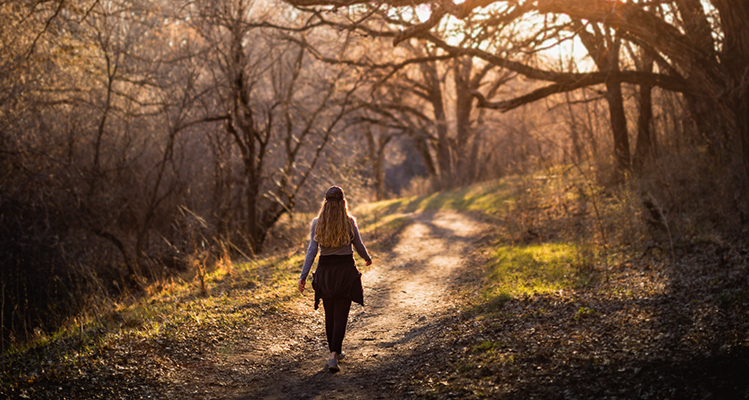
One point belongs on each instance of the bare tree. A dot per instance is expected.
(281, 107)
(426, 91)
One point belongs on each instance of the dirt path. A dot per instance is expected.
(406, 291)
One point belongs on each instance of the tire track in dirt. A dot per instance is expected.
(406, 291)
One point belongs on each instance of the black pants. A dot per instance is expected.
(336, 318)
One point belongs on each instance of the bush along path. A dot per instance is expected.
(452, 310)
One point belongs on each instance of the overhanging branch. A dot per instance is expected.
(585, 80)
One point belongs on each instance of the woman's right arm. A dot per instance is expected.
(359, 245)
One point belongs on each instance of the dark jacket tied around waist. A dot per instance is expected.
(337, 277)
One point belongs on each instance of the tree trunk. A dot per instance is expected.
(431, 76)
(645, 146)
(577, 150)
(379, 163)
(473, 160)
(376, 150)
(422, 147)
(735, 57)
(618, 126)
(443, 145)
(253, 233)
(463, 107)
(604, 49)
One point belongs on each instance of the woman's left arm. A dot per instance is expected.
(309, 258)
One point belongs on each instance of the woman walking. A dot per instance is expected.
(337, 281)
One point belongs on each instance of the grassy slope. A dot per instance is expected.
(175, 324)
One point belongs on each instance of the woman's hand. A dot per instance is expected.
(301, 284)
(368, 263)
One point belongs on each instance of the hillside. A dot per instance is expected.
(509, 289)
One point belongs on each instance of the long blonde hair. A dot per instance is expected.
(334, 224)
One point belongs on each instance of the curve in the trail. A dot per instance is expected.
(406, 291)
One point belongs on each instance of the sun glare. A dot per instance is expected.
(423, 12)
(555, 52)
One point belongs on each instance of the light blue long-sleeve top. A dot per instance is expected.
(330, 251)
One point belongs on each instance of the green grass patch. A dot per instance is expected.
(584, 312)
(376, 224)
(487, 346)
(492, 198)
(534, 269)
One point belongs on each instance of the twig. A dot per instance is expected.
(587, 182)
(665, 223)
(238, 250)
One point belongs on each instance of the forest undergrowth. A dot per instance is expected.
(575, 294)
(611, 303)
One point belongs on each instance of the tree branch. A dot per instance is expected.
(663, 81)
